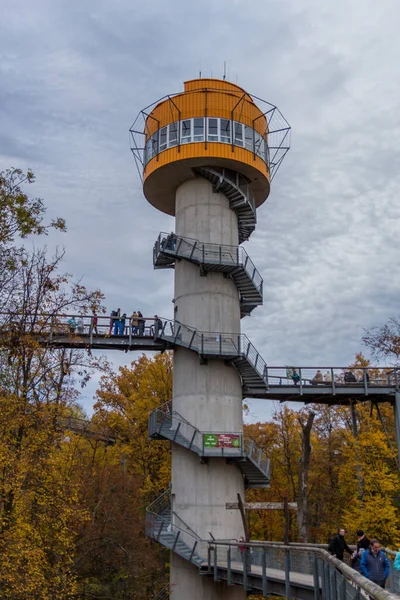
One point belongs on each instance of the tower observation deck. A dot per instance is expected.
(207, 156)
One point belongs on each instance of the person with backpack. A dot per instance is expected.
(374, 564)
(363, 544)
(338, 545)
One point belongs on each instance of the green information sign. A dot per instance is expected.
(221, 440)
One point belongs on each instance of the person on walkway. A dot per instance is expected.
(94, 322)
(135, 323)
(117, 322)
(317, 378)
(79, 325)
(362, 545)
(295, 377)
(374, 564)
(141, 322)
(349, 377)
(122, 324)
(72, 324)
(328, 377)
(158, 325)
(338, 545)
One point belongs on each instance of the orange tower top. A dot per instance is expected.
(212, 123)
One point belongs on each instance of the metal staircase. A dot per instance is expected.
(167, 424)
(161, 527)
(233, 348)
(236, 188)
(233, 261)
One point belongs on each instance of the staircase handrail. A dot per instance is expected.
(239, 342)
(238, 254)
(369, 588)
(249, 446)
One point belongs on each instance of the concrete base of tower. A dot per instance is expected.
(187, 584)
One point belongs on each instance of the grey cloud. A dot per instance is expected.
(73, 77)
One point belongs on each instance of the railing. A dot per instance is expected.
(301, 567)
(78, 324)
(215, 344)
(368, 378)
(201, 253)
(197, 440)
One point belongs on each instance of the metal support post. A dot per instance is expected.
(287, 575)
(264, 573)
(215, 564)
(229, 567)
(316, 577)
(397, 420)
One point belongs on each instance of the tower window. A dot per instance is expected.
(212, 135)
(198, 130)
(248, 136)
(163, 138)
(238, 128)
(186, 131)
(225, 131)
(173, 134)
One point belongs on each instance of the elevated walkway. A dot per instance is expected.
(233, 261)
(241, 449)
(235, 187)
(304, 572)
(259, 380)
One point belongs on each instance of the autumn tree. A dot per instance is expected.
(113, 555)
(39, 510)
(21, 215)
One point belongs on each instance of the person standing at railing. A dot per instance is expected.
(338, 545)
(141, 323)
(72, 324)
(158, 326)
(134, 323)
(374, 564)
(295, 377)
(362, 545)
(79, 325)
(122, 324)
(317, 378)
(94, 322)
(117, 322)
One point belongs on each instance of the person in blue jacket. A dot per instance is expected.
(374, 564)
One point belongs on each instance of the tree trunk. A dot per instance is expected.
(304, 466)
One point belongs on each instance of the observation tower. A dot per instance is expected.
(207, 156)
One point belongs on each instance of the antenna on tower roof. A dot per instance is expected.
(224, 70)
(200, 70)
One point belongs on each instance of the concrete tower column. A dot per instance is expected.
(208, 395)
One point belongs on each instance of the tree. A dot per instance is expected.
(19, 214)
(39, 511)
(304, 467)
(114, 559)
(384, 341)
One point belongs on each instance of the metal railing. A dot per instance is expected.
(203, 253)
(331, 378)
(79, 325)
(261, 566)
(300, 567)
(214, 344)
(174, 427)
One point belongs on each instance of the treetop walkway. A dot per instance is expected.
(303, 571)
(324, 385)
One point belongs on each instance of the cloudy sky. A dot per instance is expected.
(73, 76)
